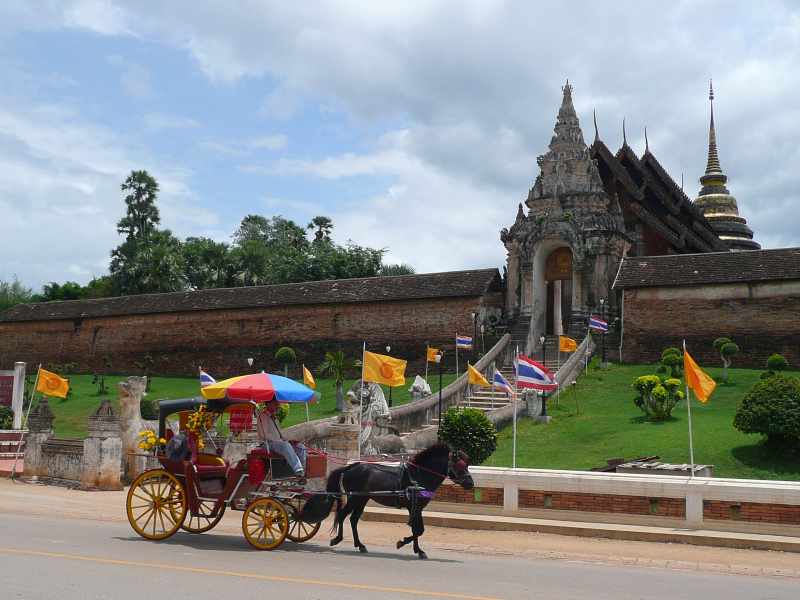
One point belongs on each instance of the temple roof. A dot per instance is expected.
(338, 291)
(709, 268)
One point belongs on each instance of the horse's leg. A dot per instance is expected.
(358, 510)
(418, 528)
(341, 514)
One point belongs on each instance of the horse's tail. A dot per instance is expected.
(319, 506)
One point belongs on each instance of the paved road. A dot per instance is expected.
(80, 559)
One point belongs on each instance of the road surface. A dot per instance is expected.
(49, 549)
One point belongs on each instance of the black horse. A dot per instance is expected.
(410, 485)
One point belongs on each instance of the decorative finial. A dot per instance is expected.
(712, 166)
(646, 143)
(711, 90)
(594, 117)
(624, 136)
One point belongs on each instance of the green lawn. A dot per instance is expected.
(71, 414)
(610, 426)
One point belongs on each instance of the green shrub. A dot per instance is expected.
(6, 417)
(772, 408)
(471, 431)
(777, 362)
(149, 409)
(286, 356)
(672, 360)
(727, 350)
(283, 412)
(657, 397)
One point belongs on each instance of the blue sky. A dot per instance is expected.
(415, 126)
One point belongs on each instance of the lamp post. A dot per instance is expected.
(541, 341)
(250, 361)
(483, 347)
(389, 349)
(439, 357)
(603, 334)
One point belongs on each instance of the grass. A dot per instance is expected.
(70, 414)
(610, 426)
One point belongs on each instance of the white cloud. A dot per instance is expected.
(134, 78)
(248, 146)
(159, 122)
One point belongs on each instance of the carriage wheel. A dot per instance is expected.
(300, 531)
(202, 521)
(265, 523)
(156, 504)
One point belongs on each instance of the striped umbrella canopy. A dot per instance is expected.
(258, 387)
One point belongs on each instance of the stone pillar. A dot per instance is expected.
(102, 450)
(40, 429)
(513, 283)
(18, 394)
(558, 324)
(130, 424)
(342, 445)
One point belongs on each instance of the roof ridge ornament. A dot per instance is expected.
(594, 118)
(646, 143)
(624, 136)
(712, 165)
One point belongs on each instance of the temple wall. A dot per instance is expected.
(761, 318)
(222, 340)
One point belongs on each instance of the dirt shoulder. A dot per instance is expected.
(41, 500)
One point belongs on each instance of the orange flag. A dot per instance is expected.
(51, 384)
(700, 382)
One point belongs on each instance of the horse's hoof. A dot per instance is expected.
(422, 555)
(400, 544)
(334, 542)
(362, 549)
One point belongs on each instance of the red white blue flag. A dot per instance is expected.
(501, 383)
(463, 342)
(598, 324)
(534, 375)
(206, 379)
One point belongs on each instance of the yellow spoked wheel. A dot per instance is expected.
(300, 531)
(265, 524)
(202, 521)
(156, 504)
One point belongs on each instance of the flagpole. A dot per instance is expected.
(25, 421)
(514, 434)
(304, 376)
(456, 355)
(426, 362)
(689, 411)
(361, 397)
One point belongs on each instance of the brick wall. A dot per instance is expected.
(751, 511)
(607, 503)
(759, 325)
(478, 495)
(221, 340)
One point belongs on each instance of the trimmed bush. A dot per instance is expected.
(657, 397)
(672, 361)
(286, 356)
(772, 408)
(727, 350)
(777, 362)
(470, 431)
(149, 409)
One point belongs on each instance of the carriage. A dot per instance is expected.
(193, 494)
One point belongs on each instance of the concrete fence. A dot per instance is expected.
(754, 506)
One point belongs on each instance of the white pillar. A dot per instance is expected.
(694, 508)
(510, 497)
(18, 393)
(557, 324)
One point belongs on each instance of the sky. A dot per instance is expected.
(415, 126)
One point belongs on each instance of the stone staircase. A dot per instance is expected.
(486, 399)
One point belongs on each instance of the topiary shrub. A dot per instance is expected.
(149, 409)
(287, 356)
(772, 408)
(776, 363)
(727, 350)
(6, 417)
(470, 431)
(657, 397)
(672, 361)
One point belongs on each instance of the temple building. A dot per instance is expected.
(716, 202)
(588, 208)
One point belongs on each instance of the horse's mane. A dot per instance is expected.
(436, 449)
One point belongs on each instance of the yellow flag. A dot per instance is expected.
(51, 384)
(475, 377)
(566, 344)
(432, 354)
(698, 381)
(380, 368)
(308, 378)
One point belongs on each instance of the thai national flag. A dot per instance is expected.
(533, 375)
(598, 324)
(501, 383)
(206, 379)
(463, 342)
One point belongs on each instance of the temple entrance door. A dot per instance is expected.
(558, 278)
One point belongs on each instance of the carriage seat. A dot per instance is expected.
(211, 465)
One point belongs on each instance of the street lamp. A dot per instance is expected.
(483, 346)
(439, 361)
(389, 349)
(603, 333)
(250, 361)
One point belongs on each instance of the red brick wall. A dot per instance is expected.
(608, 503)
(221, 340)
(760, 326)
(751, 511)
(478, 495)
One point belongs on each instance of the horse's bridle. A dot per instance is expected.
(453, 461)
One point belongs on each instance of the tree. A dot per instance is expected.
(208, 264)
(657, 398)
(727, 349)
(69, 290)
(287, 356)
(772, 408)
(397, 269)
(252, 228)
(13, 292)
(470, 431)
(672, 360)
(323, 226)
(777, 362)
(336, 365)
(141, 216)
(155, 266)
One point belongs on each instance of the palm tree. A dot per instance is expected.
(336, 364)
(323, 226)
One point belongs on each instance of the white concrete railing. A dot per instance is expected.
(693, 490)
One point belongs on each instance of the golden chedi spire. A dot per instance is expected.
(716, 202)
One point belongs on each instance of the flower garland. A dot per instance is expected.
(149, 440)
(198, 422)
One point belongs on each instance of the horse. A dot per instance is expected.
(361, 482)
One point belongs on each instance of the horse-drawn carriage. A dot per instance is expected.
(193, 494)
